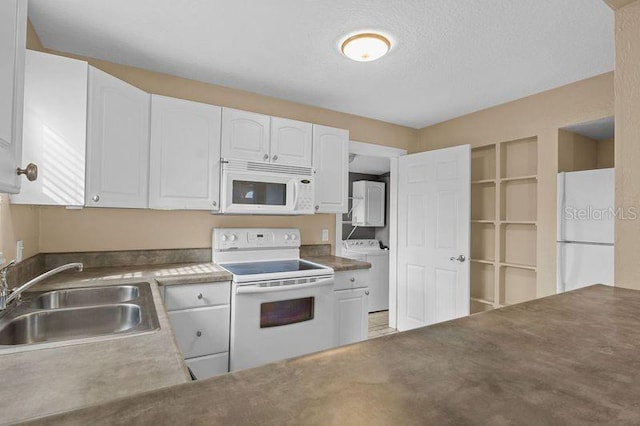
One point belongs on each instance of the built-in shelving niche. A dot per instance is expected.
(504, 197)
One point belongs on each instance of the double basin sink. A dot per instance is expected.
(79, 313)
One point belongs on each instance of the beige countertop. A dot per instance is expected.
(338, 263)
(65, 376)
(566, 359)
(62, 376)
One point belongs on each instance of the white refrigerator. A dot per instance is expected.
(586, 218)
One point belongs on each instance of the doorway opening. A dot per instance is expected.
(367, 231)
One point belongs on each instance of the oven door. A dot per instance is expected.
(276, 320)
(258, 193)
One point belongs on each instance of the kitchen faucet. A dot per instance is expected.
(6, 296)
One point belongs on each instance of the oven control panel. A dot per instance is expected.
(255, 238)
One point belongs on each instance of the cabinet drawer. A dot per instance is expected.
(197, 295)
(346, 280)
(201, 331)
(209, 366)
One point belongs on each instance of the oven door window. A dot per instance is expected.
(283, 312)
(259, 193)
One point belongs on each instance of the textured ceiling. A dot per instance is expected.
(449, 57)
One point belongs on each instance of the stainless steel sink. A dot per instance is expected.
(79, 313)
(85, 296)
(64, 324)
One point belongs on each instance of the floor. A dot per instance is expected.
(379, 324)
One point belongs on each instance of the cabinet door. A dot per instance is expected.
(117, 143)
(374, 199)
(331, 164)
(201, 331)
(55, 129)
(291, 142)
(208, 366)
(13, 36)
(245, 135)
(184, 170)
(351, 315)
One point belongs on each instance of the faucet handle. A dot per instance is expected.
(6, 267)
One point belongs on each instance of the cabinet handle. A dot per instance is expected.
(215, 203)
(30, 172)
(199, 333)
(200, 296)
(352, 279)
(265, 157)
(366, 292)
(317, 207)
(275, 157)
(96, 198)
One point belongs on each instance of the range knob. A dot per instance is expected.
(225, 238)
(233, 237)
(286, 237)
(294, 236)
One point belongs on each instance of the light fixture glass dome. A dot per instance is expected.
(366, 47)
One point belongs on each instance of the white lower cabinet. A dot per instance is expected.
(200, 317)
(351, 307)
(201, 331)
(209, 366)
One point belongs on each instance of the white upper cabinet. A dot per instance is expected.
(117, 143)
(13, 36)
(291, 142)
(55, 129)
(368, 203)
(245, 135)
(331, 163)
(185, 155)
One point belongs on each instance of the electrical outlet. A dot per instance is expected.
(19, 250)
(325, 235)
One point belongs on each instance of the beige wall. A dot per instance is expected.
(121, 229)
(576, 152)
(606, 154)
(627, 107)
(540, 115)
(49, 229)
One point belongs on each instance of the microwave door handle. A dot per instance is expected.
(295, 195)
(252, 289)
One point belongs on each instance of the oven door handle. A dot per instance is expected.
(254, 289)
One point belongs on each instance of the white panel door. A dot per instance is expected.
(117, 143)
(331, 164)
(13, 33)
(351, 316)
(291, 142)
(433, 233)
(55, 129)
(245, 135)
(184, 171)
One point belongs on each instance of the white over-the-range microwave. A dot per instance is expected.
(250, 187)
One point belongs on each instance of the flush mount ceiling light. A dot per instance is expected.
(365, 47)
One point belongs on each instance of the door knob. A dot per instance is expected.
(199, 333)
(366, 292)
(200, 296)
(265, 157)
(275, 157)
(95, 198)
(30, 172)
(459, 259)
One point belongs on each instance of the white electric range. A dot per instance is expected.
(281, 306)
